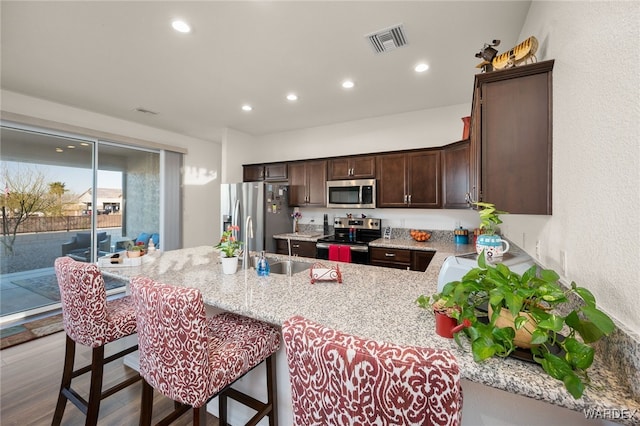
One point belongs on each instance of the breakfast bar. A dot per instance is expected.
(375, 303)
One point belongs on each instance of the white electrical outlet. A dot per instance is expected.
(563, 262)
(538, 249)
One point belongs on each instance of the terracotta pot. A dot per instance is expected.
(134, 253)
(523, 336)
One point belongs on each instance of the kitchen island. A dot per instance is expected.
(376, 303)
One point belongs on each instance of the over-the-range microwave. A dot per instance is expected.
(351, 194)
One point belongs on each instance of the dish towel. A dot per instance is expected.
(345, 254)
(334, 252)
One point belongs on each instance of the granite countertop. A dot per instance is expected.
(438, 246)
(376, 303)
(300, 236)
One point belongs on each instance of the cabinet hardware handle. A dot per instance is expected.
(469, 198)
(409, 199)
(405, 198)
(390, 254)
(296, 246)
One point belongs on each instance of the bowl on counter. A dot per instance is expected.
(419, 235)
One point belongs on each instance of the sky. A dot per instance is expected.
(76, 180)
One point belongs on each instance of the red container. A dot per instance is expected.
(466, 125)
(445, 325)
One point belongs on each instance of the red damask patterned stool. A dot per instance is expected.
(90, 320)
(340, 379)
(191, 358)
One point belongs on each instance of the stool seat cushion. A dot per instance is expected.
(340, 379)
(88, 318)
(187, 356)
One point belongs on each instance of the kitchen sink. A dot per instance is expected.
(289, 267)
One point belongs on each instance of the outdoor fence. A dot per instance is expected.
(64, 223)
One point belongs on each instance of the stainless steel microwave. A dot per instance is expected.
(351, 194)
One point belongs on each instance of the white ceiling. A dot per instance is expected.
(114, 56)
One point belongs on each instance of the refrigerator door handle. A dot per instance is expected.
(234, 219)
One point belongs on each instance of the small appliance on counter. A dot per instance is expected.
(455, 267)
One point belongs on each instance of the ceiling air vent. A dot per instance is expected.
(145, 111)
(387, 39)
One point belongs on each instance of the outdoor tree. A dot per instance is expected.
(57, 189)
(25, 194)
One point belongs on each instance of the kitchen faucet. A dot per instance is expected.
(248, 234)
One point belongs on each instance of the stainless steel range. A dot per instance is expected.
(356, 233)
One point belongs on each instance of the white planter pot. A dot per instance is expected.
(229, 265)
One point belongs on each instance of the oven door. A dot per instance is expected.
(359, 253)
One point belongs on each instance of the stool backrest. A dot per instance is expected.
(172, 340)
(84, 299)
(340, 379)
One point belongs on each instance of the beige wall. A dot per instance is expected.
(596, 154)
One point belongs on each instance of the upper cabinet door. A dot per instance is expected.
(275, 172)
(307, 183)
(317, 183)
(423, 179)
(514, 138)
(409, 179)
(297, 184)
(253, 173)
(455, 175)
(359, 167)
(391, 169)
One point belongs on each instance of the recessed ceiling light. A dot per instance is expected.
(84, 144)
(421, 67)
(181, 26)
(348, 84)
(247, 107)
(59, 150)
(71, 146)
(292, 97)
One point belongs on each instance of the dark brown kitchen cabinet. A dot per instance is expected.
(359, 167)
(414, 260)
(268, 172)
(390, 257)
(253, 173)
(298, 248)
(511, 138)
(420, 259)
(307, 183)
(455, 175)
(409, 179)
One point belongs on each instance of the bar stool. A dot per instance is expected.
(340, 379)
(90, 320)
(190, 358)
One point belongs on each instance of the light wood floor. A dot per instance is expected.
(30, 376)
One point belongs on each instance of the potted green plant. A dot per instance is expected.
(489, 241)
(135, 250)
(230, 248)
(561, 335)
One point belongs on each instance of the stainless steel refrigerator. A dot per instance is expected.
(266, 203)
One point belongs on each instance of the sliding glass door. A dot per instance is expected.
(65, 195)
